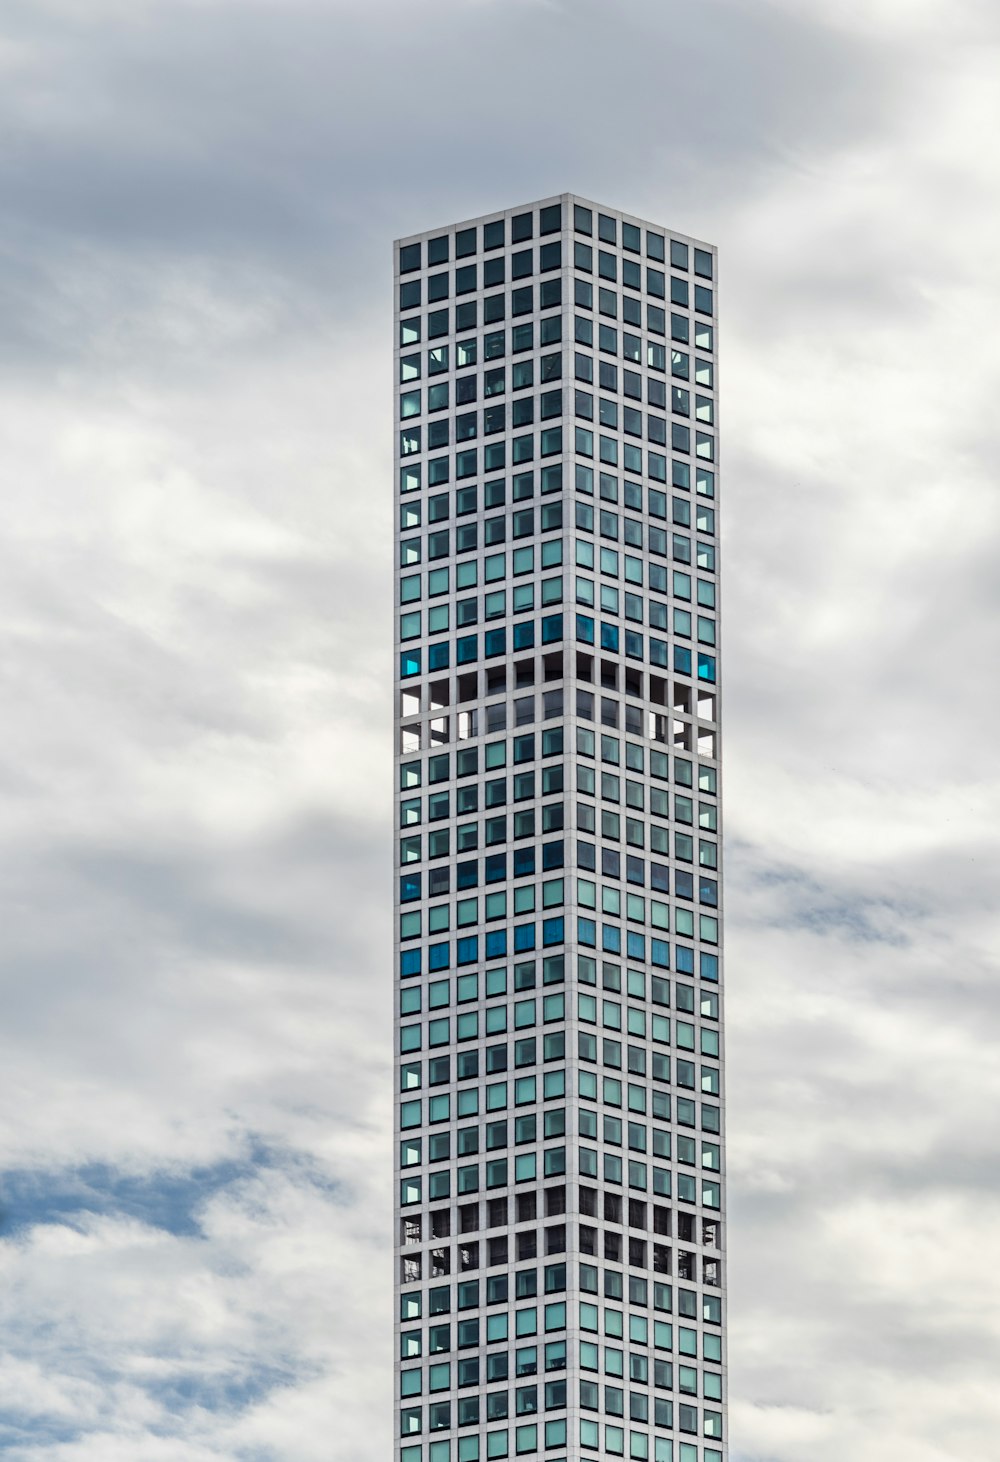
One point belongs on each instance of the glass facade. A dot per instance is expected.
(559, 1088)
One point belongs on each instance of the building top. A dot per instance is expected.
(566, 211)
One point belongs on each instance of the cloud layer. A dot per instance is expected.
(194, 580)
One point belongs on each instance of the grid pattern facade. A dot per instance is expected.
(559, 1108)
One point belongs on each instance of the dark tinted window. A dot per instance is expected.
(437, 250)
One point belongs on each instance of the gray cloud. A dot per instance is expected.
(287, 143)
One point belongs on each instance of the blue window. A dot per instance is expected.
(702, 299)
(706, 667)
(524, 635)
(496, 944)
(586, 931)
(524, 938)
(467, 949)
(438, 956)
(585, 629)
(636, 945)
(685, 959)
(494, 642)
(466, 649)
(552, 629)
(409, 663)
(611, 939)
(409, 887)
(409, 963)
(709, 966)
(553, 931)
(437, 657)
(682, 660)
(660, 953)
(524, 862)
(609, 637)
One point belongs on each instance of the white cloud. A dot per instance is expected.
(194, 778)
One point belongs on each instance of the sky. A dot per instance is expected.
(198, 200)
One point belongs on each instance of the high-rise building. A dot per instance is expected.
(559, 1183)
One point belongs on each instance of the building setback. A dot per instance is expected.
(560, 1271)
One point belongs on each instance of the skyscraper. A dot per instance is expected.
(560, 1246)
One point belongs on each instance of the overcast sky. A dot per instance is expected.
(197, 199)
